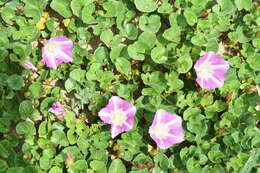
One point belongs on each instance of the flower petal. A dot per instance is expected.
(166, 129)
(57, 50)
(211, 71)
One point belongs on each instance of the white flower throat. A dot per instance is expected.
(161, 131)
(51, 47)
(118, 117)
(205, 70)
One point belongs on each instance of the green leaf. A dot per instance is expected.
(77, 5)
(136, 51)
(26, 128)
(145, 5)
(159, 54)
(147, 40)
(3, 166)
(156, 80)
(45, 163)
(46, 104)
(101, 55)
(98, 166)
(190, 16)
(184, 64)
(70, 119)
(55, 169)
(87, 14)
(254, 62)
(15, 82)
(8, 14)
(123, 65)
(3, 151)
(26, 109)
(251, 162)
(117, 166)
(70, 85)
(244, 4)
(62, 7)
(43, 129)
(161, 162)
(173, 34)
(173, 82)
(151, 23)
(215, 156)
(107, 36)
(212, 45)
(36, 90)
(58, 137)
(131, 31)
(77, 74)
(198, 39)
(81, 165)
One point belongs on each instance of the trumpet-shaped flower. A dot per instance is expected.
(211, 71)
(57, 50)
(29, 65)
(58, 110)
(120, 114)
(166, 129)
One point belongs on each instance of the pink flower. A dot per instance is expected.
(57, 50)
(211, 71)
(28, 65)
(58, 110)
(69, 161)
(120, 114)
(166, 129)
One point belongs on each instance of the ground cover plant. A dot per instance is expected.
(133, 86)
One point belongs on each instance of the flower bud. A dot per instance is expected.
(69, 161)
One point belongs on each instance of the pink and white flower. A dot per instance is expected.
(57, 50)
(211, 71)
(58, 110)
(166, 129)
(28, 65)
(120, 114)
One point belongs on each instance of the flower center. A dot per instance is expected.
(204, 70)
(118, 117)
(51, 47)
(161, 131)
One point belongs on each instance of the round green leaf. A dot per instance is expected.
(184, 64)
(36, 90)
(80, 165)
(117, 166)
(59, 137)
(151, 23)
(77, 74)
(77, 5)
(173, 34)
(190, 16)
(145, 5)
(123, 65)
(62, 7)
(26, 128)
(26, 109)
(131, 31)
(46, 104)
(15, 82)
(136, 51)
(8, 14)
(147, 39)
(55, 169)
(158, 55)
(87, 14)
